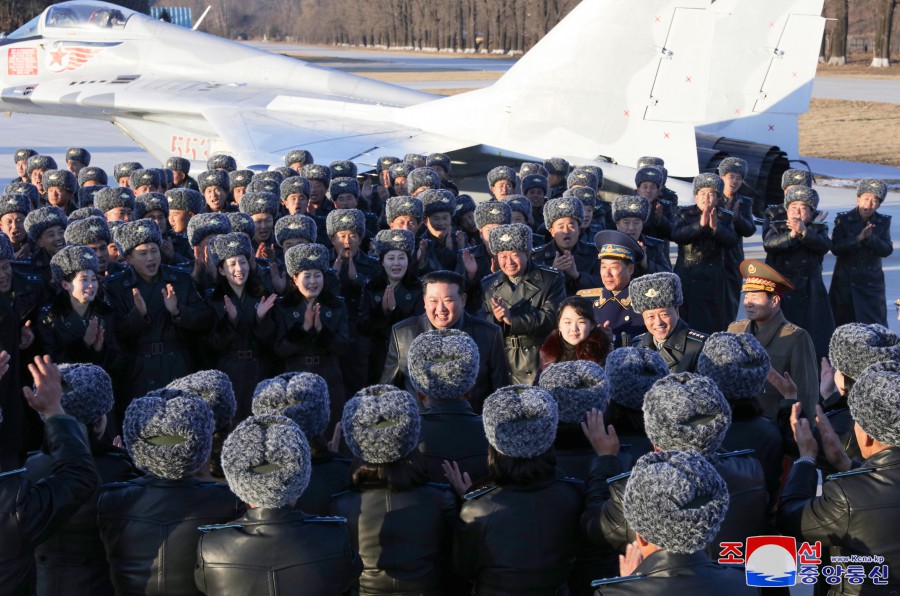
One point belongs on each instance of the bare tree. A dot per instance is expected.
(838, 46)
(884, 21)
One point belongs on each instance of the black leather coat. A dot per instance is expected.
(149, 530)
(32, 513)
(402, 537)
(276, 551)
(452, 431)
(681, 350)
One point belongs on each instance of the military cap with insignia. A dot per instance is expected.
(630, 206)
(24, 188)
(304, 257)
(385, 162)
(145, 177)
(234, 244)
(343, 169)
(415, 160)
(185, 199)
(708, 180)
(15, 203)
(519, 204)
(422, 178)
(464, 204)
(733, 165)
(530, 168)
(125, 168)
(511, 237)
(650, 160)
(135, 233)
(240, 178)
(648, 174)
(285, 172)
(530, 181)
(339, 220)
(213, 178)
(655, 290)
(269, 185)
(437, 200)
(6, 249)
(492, 212)
(92, 174)
(585, 194)
(759, 277)
(557, 166)
(318, 172)
(300, 156)
(60, 179)
(612, 244)
(90, 230)
(151, 201)
(399, 170)
(203, 225)
(555, 209)
(802, 194)
(23, 154)
(581, 177)
(502, 173)
(343, 185)
(597, 171)
(72, 259)
(794, 177)
(440, 160)
(400, 239)
(220, 161)
(294, 185)
(179, 164)
(241, 222)
(295, 226)
(84, 213)
(41, 220)
(274, 175)
(253, 203)
(86, 194)
(111, 198)
(78, 154)
(403, 206)
(870, 185)
(40, 162)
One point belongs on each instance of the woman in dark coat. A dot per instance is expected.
(795, 248)
(399, 522)
(244, 321)
(577, 336)
(313, 328)
(392, 295)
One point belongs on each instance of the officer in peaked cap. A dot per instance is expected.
(618, 254)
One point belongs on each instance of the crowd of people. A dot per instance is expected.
(315, 381)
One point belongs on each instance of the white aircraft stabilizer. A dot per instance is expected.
(688, 80)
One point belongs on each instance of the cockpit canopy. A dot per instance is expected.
(75, 15)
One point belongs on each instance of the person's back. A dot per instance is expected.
(665, 573)
(452, 431)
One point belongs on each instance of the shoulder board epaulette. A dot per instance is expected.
(737, 453)
(442, 485)
(615, 580)
(178, 269)
(572, 480)
(475, 494)
(592, 293)
(213, 527)
(14, 472)
(548, 269)
(855, 472)
(726, 211)
(618, 477)
(651, 239)
(325, 519)
(696, 335)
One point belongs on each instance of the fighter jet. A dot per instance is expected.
(687, 80)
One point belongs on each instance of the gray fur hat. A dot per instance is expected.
(169, 438)
(439, 159)
(84, 213)
(203, 225)
(267, 461)
(535, 181)
(528, 168)
(313, 171)
(40, 162)
(145, 177)
(737, 362)
(90, 230)
(436, 200)
(577, 386)
(520, 420)
(385, 162)
(215, 388)
(464, 204)
(655, 290)
(650, 160)
(380, 429)
(86, 194)
(179, 164)
(387, 240)
(733, 165)
(152, 201)
(803, 194)
(874, 401)
(630, 206)
(876, 187)
(23, 154)
(709, 180)
(220, 161)
(502, 173)
(72, 259)
(339, 220)
(88, 391)
(241, 222)
(233, 244)
(285, 172)
(125, 168)
(135, 233)
(676, 500)
(343, 169)
(557, 166)
(15, 203)
(92, 174)
(563, 207)
(262, 184)
(185, 199)
(585, 194)
(519, 204)
(209, 178)
(686, 412)
(399, 170)
(295, 226)
(343, 185)
(304, 257)
(6, 249)
(294, 185)
(414, 158)
(78, 154)
(301, 156)
(596, 171)
(301, 396)
(422, 177)
(795, 177)
(41, 220)
(515, 237)
(581, 177)
(855, 346)
(240, 178)
(399, 206)
(631, 372)
(443, 363)
(492, 212)
(253, 203)
(60, 179)
(111, 198)
(28, 189)
(649, 174)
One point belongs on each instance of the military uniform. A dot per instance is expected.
(657, 256)
(680, 350)
(473, 285)
(356, 370)
(585, 257)
(857, 286)
(615, 308)
(741, 209)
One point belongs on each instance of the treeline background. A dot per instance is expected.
(858, 27)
